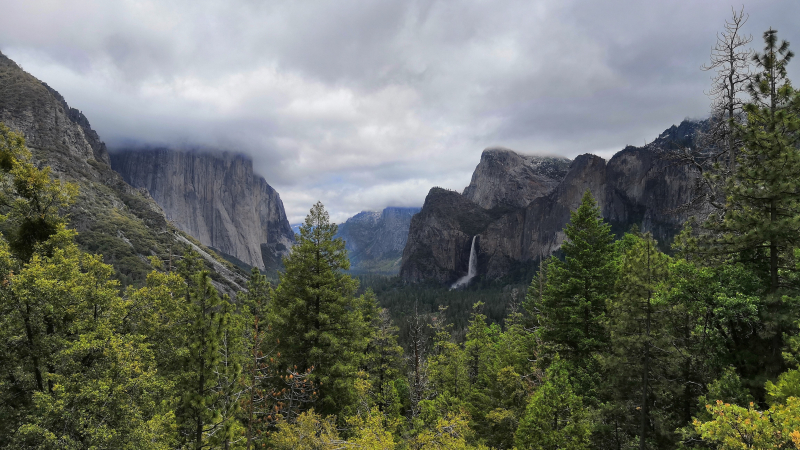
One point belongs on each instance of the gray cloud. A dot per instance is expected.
(364, 104)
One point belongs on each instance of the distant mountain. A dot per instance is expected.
(113, 218)
(375, 240)
(518, 209)
(216, 198)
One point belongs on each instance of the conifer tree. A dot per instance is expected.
(210, 361)
(315, 315)
(384, 363)
(762, 219)
(638, 336)
(572, 307)
(555, 416)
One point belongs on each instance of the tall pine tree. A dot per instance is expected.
(319, 322)
(572, 306)
(762, 219)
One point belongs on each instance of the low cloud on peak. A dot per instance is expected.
(366, 104)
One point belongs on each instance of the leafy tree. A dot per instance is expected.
(736, 427)
(555, 417)
(70, 377)
(29, 198)
(712, 326)
(315, 314)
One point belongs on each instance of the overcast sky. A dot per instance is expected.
(367, 104)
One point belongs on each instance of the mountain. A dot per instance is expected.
(636, 186)
(375, 240)
(214, 197)
(504, 177)
(113, 218)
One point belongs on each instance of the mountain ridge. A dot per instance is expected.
(375, 239)
(635, 186)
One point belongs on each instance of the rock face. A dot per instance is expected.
(636, 186)
(504, 177)
(375, 240)
(123, 223)
(214, 197)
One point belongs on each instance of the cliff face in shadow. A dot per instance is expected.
(637, 186)
(214, 197)
(375, 240)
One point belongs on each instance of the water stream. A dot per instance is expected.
(471, 271)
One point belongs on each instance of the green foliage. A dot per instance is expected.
(29, 198)
(572, 306)
(315, 316)
(640, 339)
(731, 426)
(210, 359)
(568, 299)
(760, 222)
(555, 416)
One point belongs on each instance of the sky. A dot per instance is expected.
(367, 104)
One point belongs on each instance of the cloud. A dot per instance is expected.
(365, 104)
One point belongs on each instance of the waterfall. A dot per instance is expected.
(471, 271)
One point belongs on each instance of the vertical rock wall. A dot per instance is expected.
(214, 197)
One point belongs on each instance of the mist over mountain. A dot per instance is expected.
(113, 218)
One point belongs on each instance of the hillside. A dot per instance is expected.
(636, 186)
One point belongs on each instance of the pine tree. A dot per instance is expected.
(319, 322)
(210, 362)
(555, 416)
(762, 219)
(384, 363)
(639, 340)
(572, 307)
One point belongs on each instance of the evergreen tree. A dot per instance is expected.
(762, 219)
(210, 362)
(319, 322)
(384, 363)
(555, 417)
(572, 307)
(640, 342)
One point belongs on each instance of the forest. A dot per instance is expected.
(613, 344)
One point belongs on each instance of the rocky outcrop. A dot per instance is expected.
(504, 177)
(121, 222)
(375, 240)
(440, 237)
(637, 186)
(214, 197)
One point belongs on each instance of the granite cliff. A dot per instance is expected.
(375, 240)
(214, 197)
(113, 218)
(504, 177)
(636, 186)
